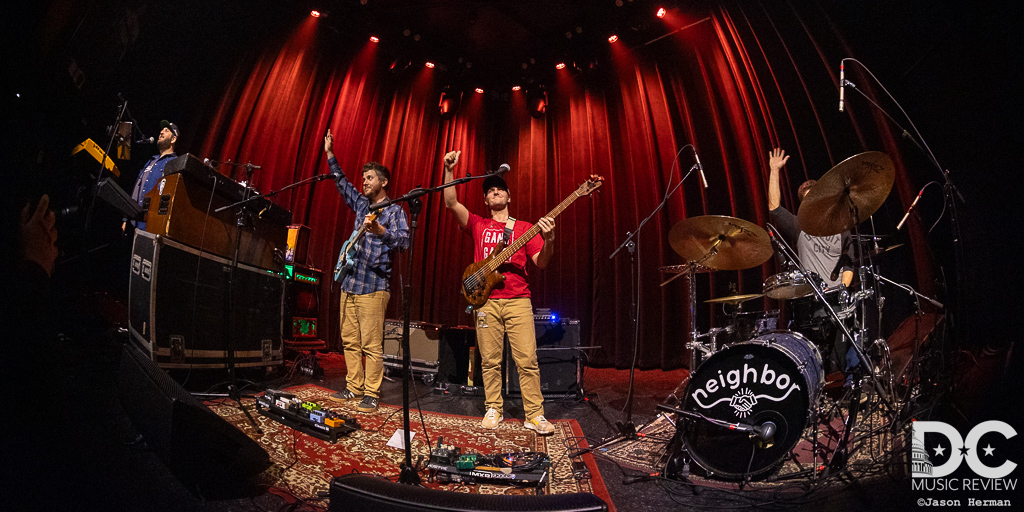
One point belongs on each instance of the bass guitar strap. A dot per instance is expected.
(509, 224)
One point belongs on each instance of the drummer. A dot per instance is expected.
(818, 254)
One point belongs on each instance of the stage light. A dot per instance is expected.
(429, 65)
(516, 87)
(479, 90)
(613, 38)
(536, 101)
(374, 39)
(449, 104)
(560, 65)
(315, 14)
(661, 12)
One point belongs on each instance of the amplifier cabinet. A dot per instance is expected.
(558, 357)
(178, 310)
(424, 341)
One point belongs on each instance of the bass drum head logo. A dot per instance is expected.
(773, 378)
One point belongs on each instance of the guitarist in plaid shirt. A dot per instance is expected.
(365, 291)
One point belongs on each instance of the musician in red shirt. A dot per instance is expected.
(508, 310)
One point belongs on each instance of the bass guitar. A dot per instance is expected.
(347, 257)
(480, 278)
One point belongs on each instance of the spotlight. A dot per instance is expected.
(560, 65)
(537, 101)
(516, 87)
(479, 90)
(661, 12)
(315, 14)
(613, 38)
(374, 39)
(429, 65)
(449, 103)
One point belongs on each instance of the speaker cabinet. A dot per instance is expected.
(178, 309)
(424, 340)
(365, 492)
(558, 357)
(207, 454)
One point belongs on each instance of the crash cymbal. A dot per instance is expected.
(862, 181)
(734, 299)
(721, 242)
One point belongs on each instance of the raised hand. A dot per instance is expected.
(776, 159)
(329, 144)
(450, 159)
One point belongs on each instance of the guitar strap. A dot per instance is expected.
(509, 224)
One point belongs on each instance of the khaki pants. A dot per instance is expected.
(515, 317)
(362, 334)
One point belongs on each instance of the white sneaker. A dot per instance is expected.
(540, 425)
(491, 419)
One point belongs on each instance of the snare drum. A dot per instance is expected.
(787, 285)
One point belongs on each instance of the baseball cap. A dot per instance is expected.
(171, 126)
(495, 181)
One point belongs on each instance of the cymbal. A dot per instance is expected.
(721, 242)
(882, 250)
(734, 299)
(684, 268)
(862, 181)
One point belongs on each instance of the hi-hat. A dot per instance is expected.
(721, 242)
(734, 299)
(847, 194)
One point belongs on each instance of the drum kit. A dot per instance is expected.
(748, 401)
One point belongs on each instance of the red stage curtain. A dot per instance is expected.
(737, 84)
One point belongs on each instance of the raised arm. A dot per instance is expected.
(451, 199)
(776, 159)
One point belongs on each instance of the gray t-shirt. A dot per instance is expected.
(818, 254)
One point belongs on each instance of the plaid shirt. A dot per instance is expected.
(373, 262)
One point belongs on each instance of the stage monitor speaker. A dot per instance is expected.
(365, 492)
(558, 356)
(207, 454)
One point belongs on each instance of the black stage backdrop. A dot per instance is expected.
(262, 81)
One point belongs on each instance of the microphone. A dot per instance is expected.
(147, 140)
(67, 211)
(912, 205)
(766, 431)
(700, 167)
(502, 169)
(842, 84)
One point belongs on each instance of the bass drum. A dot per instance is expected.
(774, 378)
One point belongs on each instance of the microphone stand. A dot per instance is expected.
(950, 193)
(627, 430)
(408, 474)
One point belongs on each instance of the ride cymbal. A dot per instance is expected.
(847, 194)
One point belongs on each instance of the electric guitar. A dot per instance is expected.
(480, 278)
(349, 250)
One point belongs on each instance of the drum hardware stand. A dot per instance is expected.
(790, 255)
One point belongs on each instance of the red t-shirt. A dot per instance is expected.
(486, 234)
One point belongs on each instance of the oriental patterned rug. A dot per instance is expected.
(304, 465)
